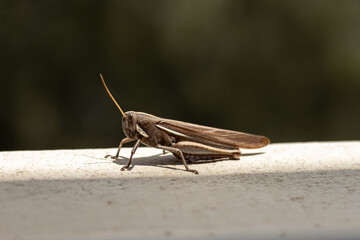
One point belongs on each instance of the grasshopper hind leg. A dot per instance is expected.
(197, 151)
(178, 153)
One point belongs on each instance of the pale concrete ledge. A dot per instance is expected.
(288, 191)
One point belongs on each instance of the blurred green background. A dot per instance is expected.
(289, 70)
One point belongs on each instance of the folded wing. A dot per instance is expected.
(212, 136)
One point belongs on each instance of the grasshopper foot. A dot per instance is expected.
(124, 168)
(109, 156)
(194, 171)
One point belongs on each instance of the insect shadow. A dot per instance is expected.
(164, 160)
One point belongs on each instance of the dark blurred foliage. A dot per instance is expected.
(289, 70)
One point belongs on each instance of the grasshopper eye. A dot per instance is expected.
(130, 117)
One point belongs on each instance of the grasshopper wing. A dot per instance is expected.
(212, 136)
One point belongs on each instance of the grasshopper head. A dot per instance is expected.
(129, 122)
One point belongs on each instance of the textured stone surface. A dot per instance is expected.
(286, 191)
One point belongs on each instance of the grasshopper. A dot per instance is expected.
(186, 141)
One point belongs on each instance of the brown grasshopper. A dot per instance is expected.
(186, 141)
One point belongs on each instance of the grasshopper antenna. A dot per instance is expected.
(102, 79)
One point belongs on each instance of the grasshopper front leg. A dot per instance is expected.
(125, 140)
(180, 154)
(132, 153)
